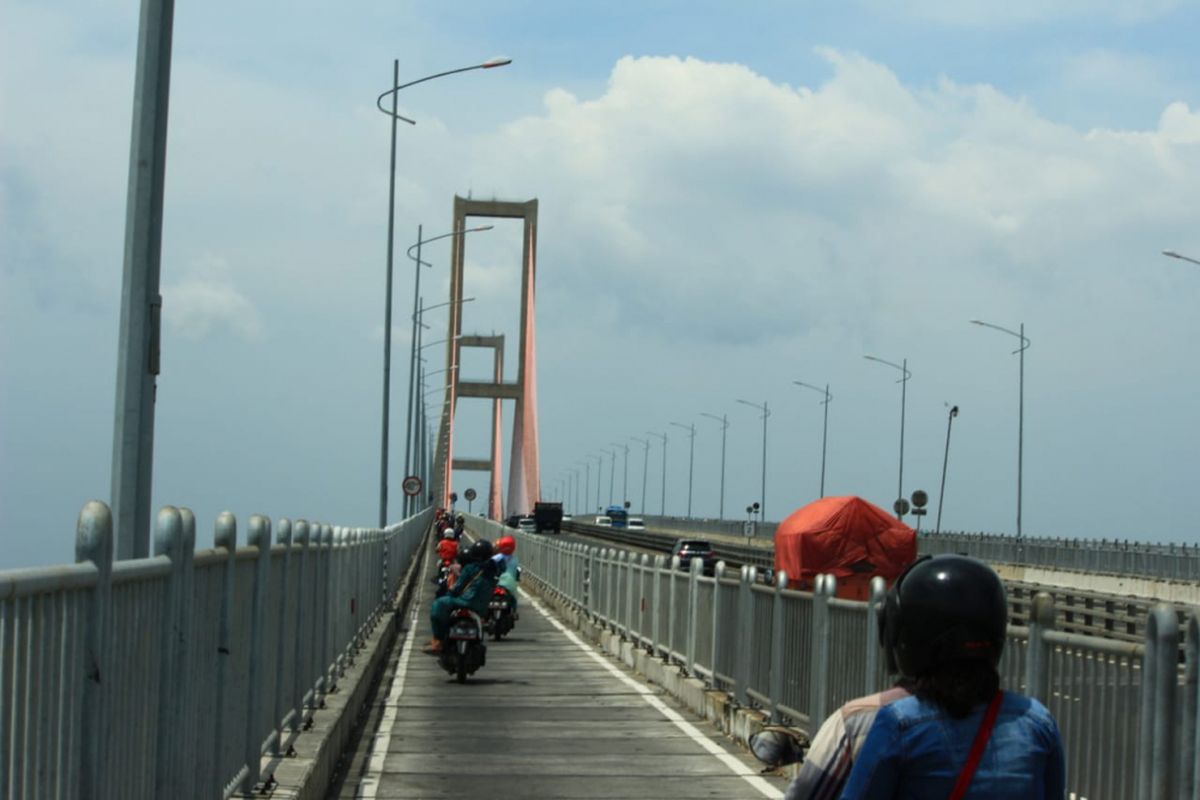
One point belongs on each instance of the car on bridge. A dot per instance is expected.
(687, 549)
(604, 522)
(636, 524)
(527, 525)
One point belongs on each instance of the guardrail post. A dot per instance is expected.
(168, 542)
(1189, 763)
(325, 587)
(656, 617)
(612, 597)
(630, 594)
(745, 638)
(1156, 731)
(823, 589)
(94, 543)
(776, 690)
(283, 536)
(259, 536)
(303, 589)
(693, 615)
(718, 574)
(185, 668)
(670, 648)
(224, 538)
(589, 582)
(1037, 658)
(872, 645)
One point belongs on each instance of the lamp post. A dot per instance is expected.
(414, 429)
(691, 429)
(625, 471)
(599, 477)
(906, 374)
(762, 504)
(1180, 256)
(612, 471)
(662, 506)
(724, 427)
(391, 238)
(1020, 334)
(645, 469)
(945, 461)
(825, 427)
(387, 363)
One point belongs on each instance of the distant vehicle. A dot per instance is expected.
(636, 524)
(527, 525)
(603, 521)
(687, 549)
(618, 515)
(547, 516)
(511, 520)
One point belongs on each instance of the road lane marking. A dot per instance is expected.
(648, 694)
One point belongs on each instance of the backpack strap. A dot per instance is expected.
(977, 747)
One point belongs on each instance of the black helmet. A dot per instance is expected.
(940, 609)
(480, 551)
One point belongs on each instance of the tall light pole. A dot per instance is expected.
(662, 506)
(691, 429)
(762, 504)
(1180, 256)
(599, 476)
(587, 482)
(625, 469)
(1020, 334)
(612, 471)
(903, 381)
(645, 469)
(387, 369)
(724, 427)
(414, 429)
(391, 238)
(825, 427)
(945, 461)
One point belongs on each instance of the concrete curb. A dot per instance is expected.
(716, 707)
(308, 773)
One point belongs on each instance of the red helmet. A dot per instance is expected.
(506, 545)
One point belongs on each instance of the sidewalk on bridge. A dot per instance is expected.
(546, 717)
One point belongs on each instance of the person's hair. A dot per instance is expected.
(958, 686)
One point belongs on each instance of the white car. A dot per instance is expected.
(636, 524)
(527, 525)
(603, 521)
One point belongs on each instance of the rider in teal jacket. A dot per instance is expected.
(472, 590)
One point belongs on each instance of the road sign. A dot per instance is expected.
(470, 495)
(411, 486)
(920, 499)
(900, 507)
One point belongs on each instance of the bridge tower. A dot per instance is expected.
(523, 478)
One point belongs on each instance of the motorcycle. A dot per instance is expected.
(464, 651)
(501, 616)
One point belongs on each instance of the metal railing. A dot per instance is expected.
(1164, 561)
(171, 676)
(1128, 711)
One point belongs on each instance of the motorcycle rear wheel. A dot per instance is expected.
(461, 673)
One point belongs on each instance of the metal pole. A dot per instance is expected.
(903, 395)
(691, 467)
(824, 439)
(141, 303)
(625, 477)
(645, 471)
(724, 430)
(413, 349)
(762, 504)
(945, 462)
(662, 506)
(612, 473)
(1021, 433)
(387, 326)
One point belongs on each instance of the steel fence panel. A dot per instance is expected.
(703, 648)
(848, 644)
(762, 601)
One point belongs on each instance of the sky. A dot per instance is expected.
(732, 196)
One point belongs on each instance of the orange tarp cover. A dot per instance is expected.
(843, 536)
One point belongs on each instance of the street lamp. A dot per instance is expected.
(724, 427)
(903, 367)
(1020, 334)
(394, 92)
(662, 506)
(945, 461)
(612, 471)
(645, 469)
(762, 504)
(1180, 256)
(599, 476)
(691, 429)
(625, 476)
(825, 428)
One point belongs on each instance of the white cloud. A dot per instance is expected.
(206, 300)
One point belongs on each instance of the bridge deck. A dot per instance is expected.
(546, 717)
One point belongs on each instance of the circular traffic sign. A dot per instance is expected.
(919, 498)
(470, 495)
(411, 485)
(900, 506)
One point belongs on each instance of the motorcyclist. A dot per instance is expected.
(943, 626)
(472, 590)
(460, 523)
(510, 568)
